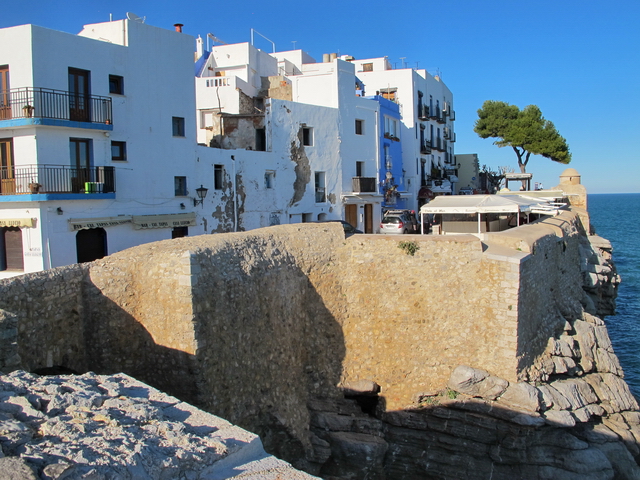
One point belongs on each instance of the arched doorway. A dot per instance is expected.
(91, 244)
(11, 257)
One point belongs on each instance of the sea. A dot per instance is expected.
(616, 217)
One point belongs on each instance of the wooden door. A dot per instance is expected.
(79, 95)
(368, 218)
(7, 171)
(5, 101)
(14, 259)
(351, 215)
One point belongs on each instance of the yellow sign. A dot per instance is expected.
(17, 222)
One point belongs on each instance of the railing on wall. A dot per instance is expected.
(39, 179)
(37, 102)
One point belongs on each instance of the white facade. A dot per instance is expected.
(273, 138)
(113, 56)
(427, 133)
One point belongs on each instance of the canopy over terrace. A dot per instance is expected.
(479, 204)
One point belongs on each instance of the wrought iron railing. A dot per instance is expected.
(39, 179)
(36, 102)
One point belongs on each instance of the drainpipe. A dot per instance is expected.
(235, 196)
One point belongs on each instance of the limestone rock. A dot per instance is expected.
(522, 395)
(577, 391)
(476, 383)
(92, 426)
(560, 418)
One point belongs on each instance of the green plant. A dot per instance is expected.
(409, 247)
(451, 394)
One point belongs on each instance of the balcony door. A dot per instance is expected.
(5, 104)
(79, 101)
(80, 150)
(7, 171)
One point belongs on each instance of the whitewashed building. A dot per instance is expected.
(320, 139)
(97, 154)
(427, 126)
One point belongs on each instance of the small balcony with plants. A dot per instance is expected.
(44, 106)
(28, 183)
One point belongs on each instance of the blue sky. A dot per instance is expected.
(579, 61)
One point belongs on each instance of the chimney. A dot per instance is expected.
(178, 27)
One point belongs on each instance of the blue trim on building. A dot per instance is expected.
(52, 122)
(44, 197)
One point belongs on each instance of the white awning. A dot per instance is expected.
(164, 221)
(17, 222)
(101, 222)
(486, 204)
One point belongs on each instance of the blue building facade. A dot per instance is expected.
(392, 182)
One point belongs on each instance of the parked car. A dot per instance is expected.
(348, 228)
(399, 222)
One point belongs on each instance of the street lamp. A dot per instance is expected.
(202, 193)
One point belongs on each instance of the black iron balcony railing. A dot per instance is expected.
(363, 184)
(425, 147)
(32, 102)
(39, 179)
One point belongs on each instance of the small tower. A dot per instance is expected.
(571, 185)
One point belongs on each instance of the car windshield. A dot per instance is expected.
(391, 219)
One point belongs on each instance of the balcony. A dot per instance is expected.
(44, 106)
(423, 113)
(363, 184)
(435, 114)
(56, 182)
(425, 147)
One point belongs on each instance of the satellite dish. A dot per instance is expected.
(135, 18)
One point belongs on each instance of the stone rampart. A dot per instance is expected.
(254, 325)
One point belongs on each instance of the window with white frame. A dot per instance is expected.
(307, 136)
(359, 127)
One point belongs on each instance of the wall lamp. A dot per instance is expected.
(202, 194)
(59, 211)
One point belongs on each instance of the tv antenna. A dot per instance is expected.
(214, 39)
(135, 18)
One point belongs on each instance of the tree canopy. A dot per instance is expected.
(526, 131)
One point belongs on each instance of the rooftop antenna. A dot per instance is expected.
(404, 65)
(273, 44)
(294, 43)
(214, 39)
(135, 18)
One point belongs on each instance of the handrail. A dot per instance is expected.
(38, 179)
(36, 102)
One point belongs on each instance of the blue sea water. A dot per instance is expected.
(616, 217)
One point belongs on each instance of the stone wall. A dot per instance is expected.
(253, 326)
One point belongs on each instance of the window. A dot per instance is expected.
(261, 140)
(320, 188)
(367, 67)
(116, 84)
(307, 136)
(390, 127)
(269, 178)
(218, 176)
(359, 169)
(180, 184)
(178, 126)
(359, 127)
(118, 151)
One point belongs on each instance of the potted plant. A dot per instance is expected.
(28, 110)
